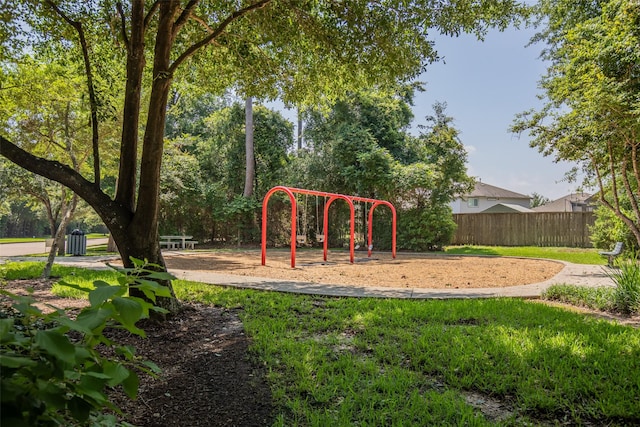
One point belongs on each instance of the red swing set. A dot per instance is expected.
(330, 198)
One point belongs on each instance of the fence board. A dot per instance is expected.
(569, 229)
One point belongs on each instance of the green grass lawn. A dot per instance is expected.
(575, 255)
(42, 239)
(379, 362)
(345, 361)
(21, 239)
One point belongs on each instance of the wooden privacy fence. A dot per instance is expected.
(569, 229)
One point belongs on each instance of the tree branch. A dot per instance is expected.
(77, 25)
(152, 11)
(184, 16)
(223, 25)
(108, 209)
(123, 24)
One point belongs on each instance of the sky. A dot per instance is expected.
(485, 84)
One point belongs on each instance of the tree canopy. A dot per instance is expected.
(300, 51)
(593, 89)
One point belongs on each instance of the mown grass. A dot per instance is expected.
(42, 239)
(574, 255)
(78, 276)
(341, 361)
(347, 361)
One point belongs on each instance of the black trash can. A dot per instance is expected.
(77, 243)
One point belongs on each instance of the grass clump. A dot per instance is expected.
(599, 298)
(627, 292)
(623, 298)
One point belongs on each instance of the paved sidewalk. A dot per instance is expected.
(573, 274)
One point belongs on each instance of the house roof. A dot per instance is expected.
(506, 208)
(565, 204)
(485, 190)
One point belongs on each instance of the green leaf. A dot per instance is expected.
(151, 365)
(126, 351)
(53, 394)
(130, 311)
(93, 318)
(101, 284)
(80, 409)
(117, 373)
(103, 293)
(152, 289)
(56, 344)
(130, 385)
(99, 375)
(160, 275)
(138, 263)
(6, 326)
(16, 361)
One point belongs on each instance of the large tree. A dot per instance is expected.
(50, 123)
(592, 116)
(302, 51)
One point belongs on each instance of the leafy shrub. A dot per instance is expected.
(425, 229)
(609, 229)
(52, 370)
(627, 292)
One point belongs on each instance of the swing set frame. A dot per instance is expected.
(330, 198)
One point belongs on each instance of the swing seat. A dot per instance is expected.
(320, 238)
(301, 239)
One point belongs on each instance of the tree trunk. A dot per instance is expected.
(111, 245)
(250, 162)
(127, 174)
(299, 129)
(60, 241)
(59, 236)
(141, 239)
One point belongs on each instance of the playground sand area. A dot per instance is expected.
(431, 271)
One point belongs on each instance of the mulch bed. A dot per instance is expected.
(208, 377)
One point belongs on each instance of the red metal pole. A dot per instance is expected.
(352, 230)
(393, 229)
(370, 230)
(332, 196)
(294, 211)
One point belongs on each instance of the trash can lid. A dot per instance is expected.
(77, 232)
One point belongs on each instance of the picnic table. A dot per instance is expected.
(177, 242)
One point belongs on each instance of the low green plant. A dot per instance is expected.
(53, 372)
(627, 292)
(599, 298)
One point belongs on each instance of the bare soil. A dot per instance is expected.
(381, 270)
